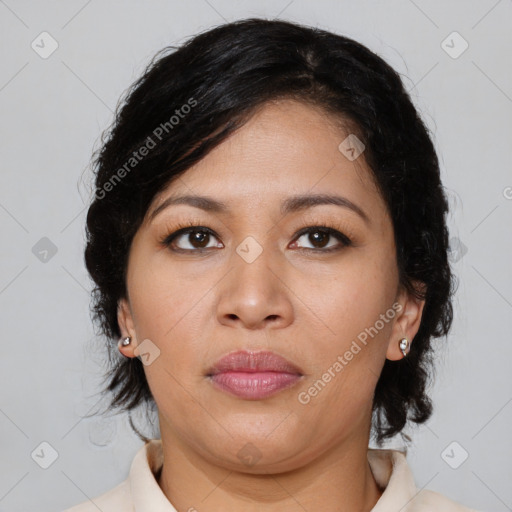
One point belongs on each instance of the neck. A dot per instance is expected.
(339, 479)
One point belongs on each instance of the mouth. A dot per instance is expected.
(253, 375)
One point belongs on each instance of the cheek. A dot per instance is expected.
(170, 307)
(166, 309)
(163, 295)
(351, 297)
(350, 317)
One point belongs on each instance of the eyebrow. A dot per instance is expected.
(291, 204)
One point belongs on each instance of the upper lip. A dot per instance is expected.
(247, 361)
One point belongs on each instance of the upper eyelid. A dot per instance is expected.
(309, 226)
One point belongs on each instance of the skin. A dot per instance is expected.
(307, 306)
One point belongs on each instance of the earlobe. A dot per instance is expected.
(406, 325)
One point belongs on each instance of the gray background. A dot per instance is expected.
(53, 112)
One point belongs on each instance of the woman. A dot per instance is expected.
(269, 246)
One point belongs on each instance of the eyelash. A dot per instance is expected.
(193, 226)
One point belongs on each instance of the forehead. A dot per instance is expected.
(286, 148)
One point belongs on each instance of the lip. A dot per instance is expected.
(254, 375)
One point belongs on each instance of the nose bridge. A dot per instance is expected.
(253, 259)
(256, 238)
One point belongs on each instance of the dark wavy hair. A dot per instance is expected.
(190, 98)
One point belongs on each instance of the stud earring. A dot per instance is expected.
(126, 341)
(123, 342)
(404, 343)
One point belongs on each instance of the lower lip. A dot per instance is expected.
(254, 386)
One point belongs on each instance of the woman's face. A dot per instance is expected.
(247, 280)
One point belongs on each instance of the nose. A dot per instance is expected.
(254, 295)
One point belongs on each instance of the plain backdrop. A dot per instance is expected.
(454, 57)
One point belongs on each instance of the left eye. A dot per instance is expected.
(319, 237)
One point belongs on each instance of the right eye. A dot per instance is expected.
(190, 239)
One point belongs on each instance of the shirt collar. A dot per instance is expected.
(393, 474)
(146, 493)
(389, 468)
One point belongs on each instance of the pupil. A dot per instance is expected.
(200, 238)
(318, 235)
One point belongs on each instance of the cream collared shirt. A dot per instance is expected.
(140, 492)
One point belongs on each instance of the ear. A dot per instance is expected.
(126, 326)
(407, 321)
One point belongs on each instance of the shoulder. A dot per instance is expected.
(139, 491)
(115, 499)
(393, 473)
(427, 500)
